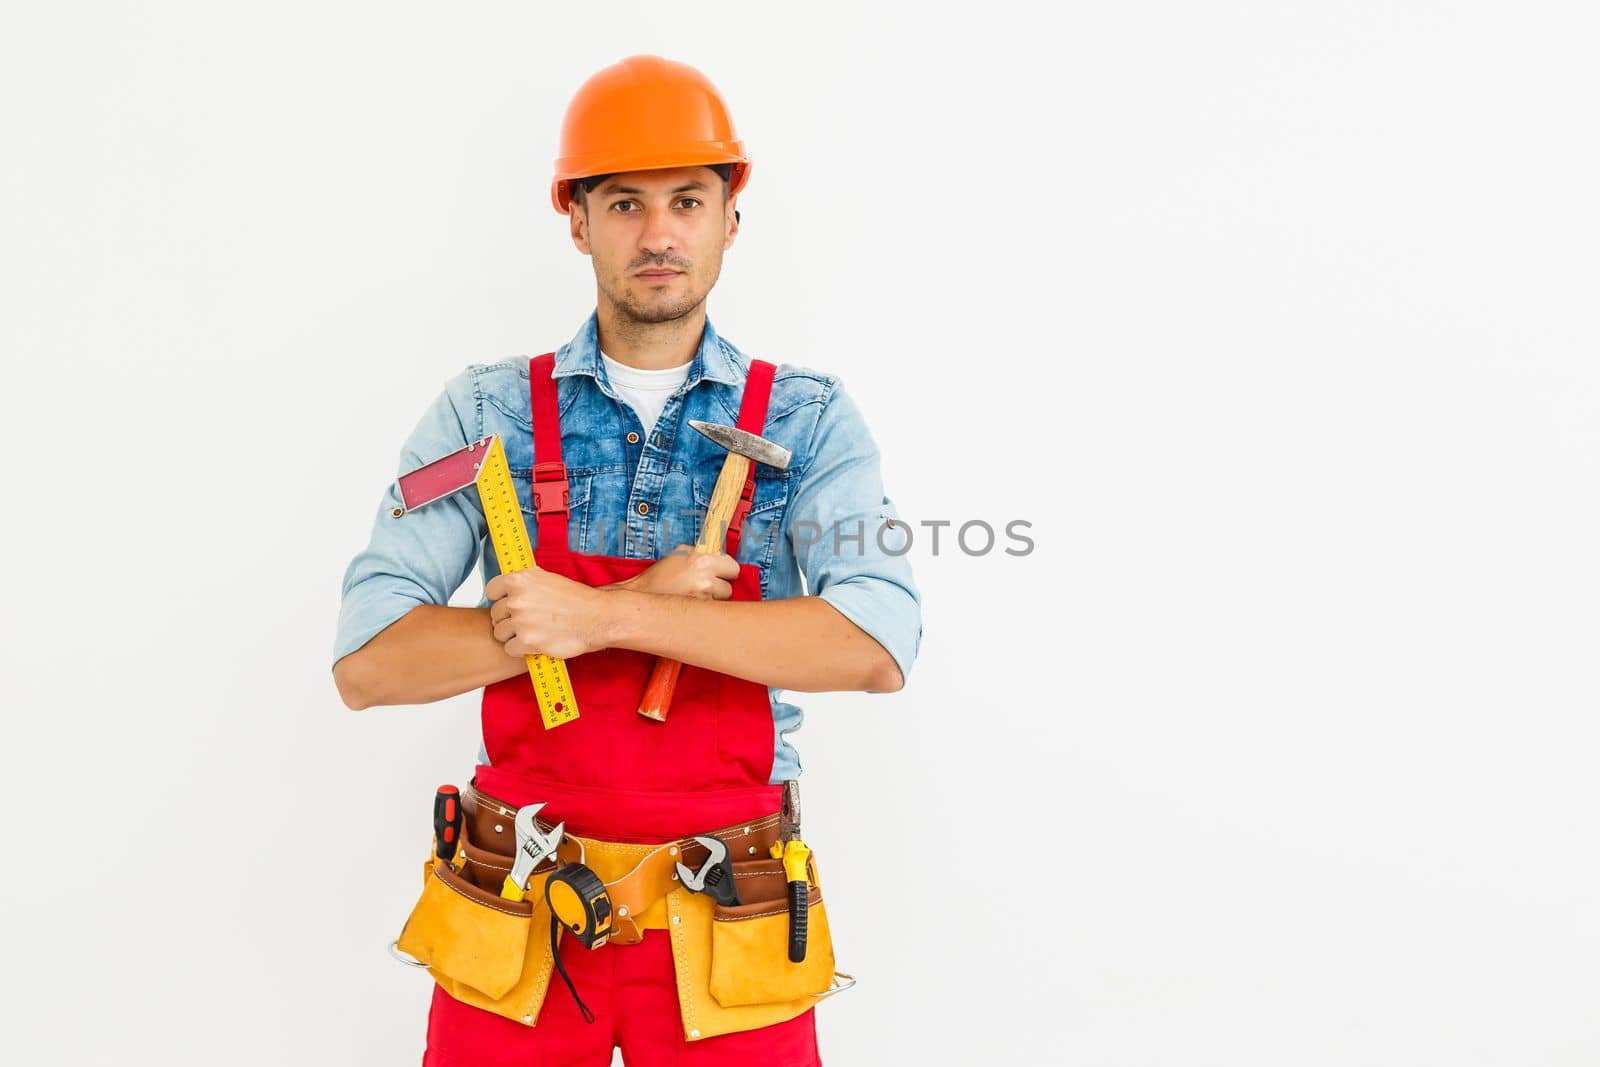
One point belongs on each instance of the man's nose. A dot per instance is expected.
(659, 234)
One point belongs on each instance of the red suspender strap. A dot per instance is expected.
(752, 419)
(550, 490)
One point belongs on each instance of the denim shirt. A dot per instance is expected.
(825, 519)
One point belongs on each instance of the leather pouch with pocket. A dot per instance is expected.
(467, 932)
(750, 940)
(732, 967)
(484, 950)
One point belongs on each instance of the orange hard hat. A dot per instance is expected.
(646, 113)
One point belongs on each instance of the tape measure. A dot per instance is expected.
(483, 463)
(578, 900)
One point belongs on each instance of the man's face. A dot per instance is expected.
(656, 238)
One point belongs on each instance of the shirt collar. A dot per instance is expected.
(712, 359)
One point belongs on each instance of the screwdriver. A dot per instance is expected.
(447, 821)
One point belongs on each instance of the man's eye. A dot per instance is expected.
(682, 200)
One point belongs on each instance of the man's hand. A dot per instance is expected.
(685, 572)
(541, 611)
(536, 610)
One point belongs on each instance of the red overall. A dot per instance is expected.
(615, 775)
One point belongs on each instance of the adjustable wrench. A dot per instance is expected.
(532, 848)
(715, 876)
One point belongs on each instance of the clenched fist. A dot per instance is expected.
(685, 572)
(540, 611)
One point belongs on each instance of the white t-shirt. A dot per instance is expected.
(646, 391)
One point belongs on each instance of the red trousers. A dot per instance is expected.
(632, 992)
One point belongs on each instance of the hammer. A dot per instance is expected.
(743, 449)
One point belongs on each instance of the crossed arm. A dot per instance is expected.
(803, 644)
(839, 638)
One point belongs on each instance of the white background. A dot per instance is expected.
(1277, 322)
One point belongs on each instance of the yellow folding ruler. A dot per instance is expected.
(483, 463)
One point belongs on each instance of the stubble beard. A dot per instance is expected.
(662, 311)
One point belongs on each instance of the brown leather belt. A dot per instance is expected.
(637, 876)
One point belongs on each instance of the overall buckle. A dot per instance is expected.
(545, 488)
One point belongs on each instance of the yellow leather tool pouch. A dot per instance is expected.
(732, 964)
(750, 941)
(467, 932)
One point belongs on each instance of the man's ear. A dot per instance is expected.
(733, 227)
(578, 223)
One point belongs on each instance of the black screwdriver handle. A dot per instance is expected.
(447, 821)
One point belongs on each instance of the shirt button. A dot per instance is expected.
(633, 438)
(644, 509)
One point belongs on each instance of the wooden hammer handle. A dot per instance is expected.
(724, 498)
(713, 534)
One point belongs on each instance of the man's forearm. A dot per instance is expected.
(430, 653)
(800, 643)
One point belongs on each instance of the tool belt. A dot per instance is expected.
(733, 968)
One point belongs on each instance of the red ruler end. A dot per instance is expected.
(444, 476)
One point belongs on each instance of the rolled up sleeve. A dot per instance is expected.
(848, 537)
(423, 556)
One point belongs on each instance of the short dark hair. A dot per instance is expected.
(582, 187)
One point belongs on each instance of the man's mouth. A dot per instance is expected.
(659, 273)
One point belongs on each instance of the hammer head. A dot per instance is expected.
(758, 449)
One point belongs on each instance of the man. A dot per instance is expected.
(649, 176)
